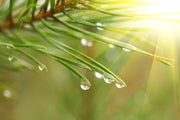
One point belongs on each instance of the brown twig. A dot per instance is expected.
(37, 17)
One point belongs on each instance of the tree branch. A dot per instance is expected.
(10, 24)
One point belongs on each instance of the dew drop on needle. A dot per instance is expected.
(98, 75)
(7, 93)
(87, 43)
(119, 85)
(111, 46)
(84, 42)
(108, 80)
(41, 68)
(10, 58)
(126, 50)
(99, 24)
(8, 47)
(85, 87)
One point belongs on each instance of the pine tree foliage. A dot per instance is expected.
(46, 20)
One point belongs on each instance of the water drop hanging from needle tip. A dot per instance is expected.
(126, 50)
(119, 85)
(111, 46)
(98, 75)
(108, 80)
(99, 24)
(10, 58)
(41, 68)
(84, 86)
(7, 93)
(87, 43)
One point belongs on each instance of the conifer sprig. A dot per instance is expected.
(68, 14)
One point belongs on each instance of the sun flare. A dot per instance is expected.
(166, 5)
(162, 8)
(160, 14)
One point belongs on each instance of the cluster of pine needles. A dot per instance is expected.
(40, 18)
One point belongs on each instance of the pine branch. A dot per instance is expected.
(71, 22)
(58, 8)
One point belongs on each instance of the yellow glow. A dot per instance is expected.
(160, 15)
(163, 8)
(166, 5)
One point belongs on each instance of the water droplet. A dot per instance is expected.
(89, 44)
(10, 58)
(120, 84)
(126, 50)
(7, 93)
(8, 47)
(41, 68)
(111, 46)
(84, 42)
(132, 47)
(100, 28)
(108, 80)
(98, 75)
(99, 24)
(27, 26)
(85, 86)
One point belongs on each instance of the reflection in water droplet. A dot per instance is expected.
(7, 93)
(129, 48)
(89, 44)
(84, 86)
(8, 47)
(98, 75)
(111, 46)
(84, 42)
(100, 28)
(99, 24)
(41, 68)
(126, 50)
(10, 58)
(108, 80)
(119, 85)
